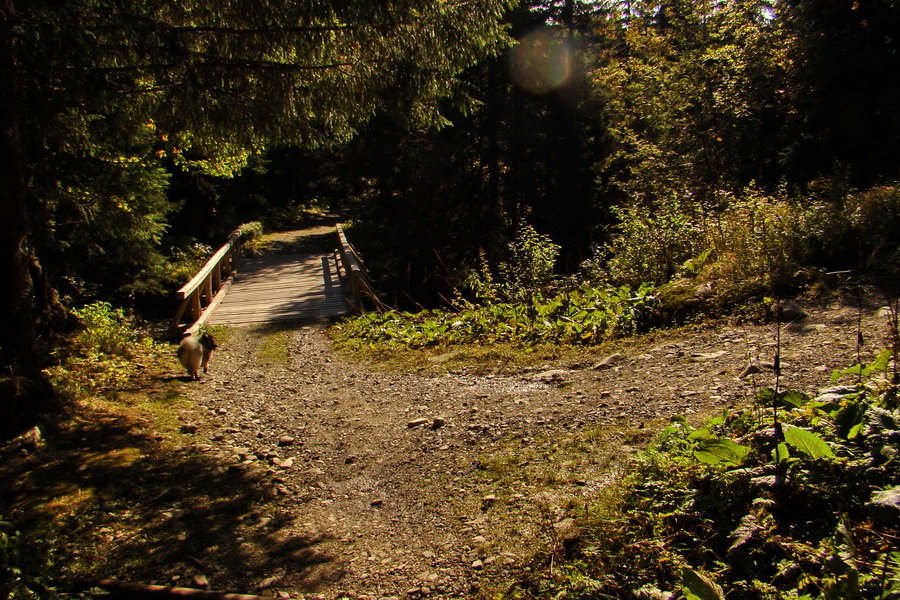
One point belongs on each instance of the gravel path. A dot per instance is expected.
(387, 481)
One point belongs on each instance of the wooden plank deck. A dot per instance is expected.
(282, 287)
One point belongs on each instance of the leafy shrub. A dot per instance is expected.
(651, 245)
(162, 274)
(579, 316)
(102, 354)
(22, 569)
(755, 506)
(758, 242)
(251, 231)
(530, 265)
(751, 243)
(528, 270)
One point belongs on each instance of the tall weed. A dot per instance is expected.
(529, 269)
(102, 354)
(752, 242)
(652, 243)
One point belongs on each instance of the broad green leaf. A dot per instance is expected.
(794, 398)
(701, 434)
(807, 442)
(723, 451)
(882, 361)
(765, 395)
(781, 453)
(697, 586)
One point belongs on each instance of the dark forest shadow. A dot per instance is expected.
(142, 511)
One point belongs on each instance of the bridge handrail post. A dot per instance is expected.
(355, 273)
(207, 283)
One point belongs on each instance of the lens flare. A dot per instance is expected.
(542, 61)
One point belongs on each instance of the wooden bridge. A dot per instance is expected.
(282, 286)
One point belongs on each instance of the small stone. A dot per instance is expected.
(287, 463)
(189, 428)
(377, 503)
(609, 362)
(551, 376)
(416, 423)
(751, 369)
(477, 565)
(285, 440)
(438, 422)
(704, 356)
(350, 460)
(200, 582)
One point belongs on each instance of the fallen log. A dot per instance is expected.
(142, 591)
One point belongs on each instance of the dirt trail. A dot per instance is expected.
(385, 480)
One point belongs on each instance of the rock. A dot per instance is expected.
(285, 463)
(885, 505)
(477, 565)
(704, 356)
(442, 358)
(789, 310)
(704, 291)
(200, 582)
(189, 428)
(750, 369)
(268, 583)
(609, 362)
(551, 376)
(438, 422)
(33, 438)
(416, 423)
(681, 299)
(488, 501)
(285, 440)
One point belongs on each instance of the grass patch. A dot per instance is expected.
(115, 489)
(275, 344)
(498, 357)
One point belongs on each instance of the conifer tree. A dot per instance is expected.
(95, 89)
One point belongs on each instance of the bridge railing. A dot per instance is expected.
(200, 296)
(355, 276)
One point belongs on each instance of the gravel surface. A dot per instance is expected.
(381, 477)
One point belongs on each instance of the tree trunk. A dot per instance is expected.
(23, 390)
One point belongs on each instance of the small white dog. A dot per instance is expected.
(194, 353)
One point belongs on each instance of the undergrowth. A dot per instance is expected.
(580, 316)
(794, 497)
(101, 355)
(55, 517)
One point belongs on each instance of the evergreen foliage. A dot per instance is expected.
(100, 97)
